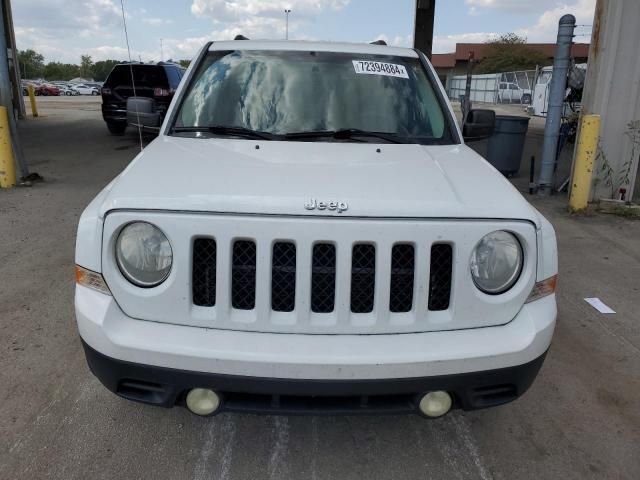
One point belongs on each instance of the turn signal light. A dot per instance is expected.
(543, 288)
(91, 280)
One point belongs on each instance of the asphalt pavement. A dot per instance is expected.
(580, 420)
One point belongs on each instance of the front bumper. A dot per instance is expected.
(167, 387)
(173, 358)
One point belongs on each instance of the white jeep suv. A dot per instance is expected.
(309, 233)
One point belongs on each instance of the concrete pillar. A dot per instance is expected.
(612, 88)
(423, 28)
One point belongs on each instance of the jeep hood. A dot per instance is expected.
(273, 177)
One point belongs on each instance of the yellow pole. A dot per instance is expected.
(32, 99)
(586, 152)
(7, 162)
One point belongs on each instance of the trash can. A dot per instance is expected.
(505, 147)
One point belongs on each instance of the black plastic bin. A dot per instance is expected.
(506, 145)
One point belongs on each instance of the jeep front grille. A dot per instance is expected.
(363, 278)
(319, 276)
(323, 278)
(440, 276)
(284, 268)
(243, 275)
(204, 272)
(283, 277)
(402, 275)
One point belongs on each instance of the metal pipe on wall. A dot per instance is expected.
(561, 62)
(5, 93)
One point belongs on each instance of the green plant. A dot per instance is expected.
(616, 180)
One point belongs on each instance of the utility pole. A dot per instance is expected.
(425, 11)
(561, 62)
(466, 105)
(161, 51)
(287, 11)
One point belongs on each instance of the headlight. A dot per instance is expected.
(496, 262)
(143, 254)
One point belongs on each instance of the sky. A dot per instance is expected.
(63, 30)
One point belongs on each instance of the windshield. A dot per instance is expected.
(286, 92)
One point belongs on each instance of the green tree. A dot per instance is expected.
(185, 63)
(103, 68)
(60, 71)
(31, 64)
(509, 53)
(86, 66)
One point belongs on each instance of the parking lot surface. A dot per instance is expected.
(580, 420)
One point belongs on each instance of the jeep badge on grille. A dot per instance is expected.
(339, 207)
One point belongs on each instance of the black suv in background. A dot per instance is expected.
(157, 82)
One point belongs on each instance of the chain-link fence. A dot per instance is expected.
(509, 87)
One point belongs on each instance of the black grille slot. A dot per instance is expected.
(283, 277)
(363, 278)
(440, 276)
(203, 280)
(323, 278)
(402, 278)
(243, 275)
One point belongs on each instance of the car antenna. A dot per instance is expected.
(133, 82)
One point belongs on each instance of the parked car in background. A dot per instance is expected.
(83, 89)
(155, 85)
(46, 90)
(66, 90)
(25, 86)
(509, 92)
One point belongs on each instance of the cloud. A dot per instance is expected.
(261, 18)
(447, 43)
(225, 10)
(156, 22)
(90, 16)
(53, 27)
(518, 6)
(546, 28)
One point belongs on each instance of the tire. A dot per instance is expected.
(94, 93)
(116, 128)
(68, 94)
(526, 99)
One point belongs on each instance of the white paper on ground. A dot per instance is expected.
(598, 305)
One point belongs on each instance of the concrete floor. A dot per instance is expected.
(580, 420)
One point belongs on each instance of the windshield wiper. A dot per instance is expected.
(346, 133)
(227, 130)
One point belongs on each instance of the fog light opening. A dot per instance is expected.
(435, 404)
(203, 401)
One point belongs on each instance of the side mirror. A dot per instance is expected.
(478, 125)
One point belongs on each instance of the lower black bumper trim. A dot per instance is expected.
(167, 387)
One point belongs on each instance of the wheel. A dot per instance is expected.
(526, 99)
(68, 94)
(116, 128)
(94, 93)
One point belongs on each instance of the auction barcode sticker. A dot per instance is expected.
(367, 67)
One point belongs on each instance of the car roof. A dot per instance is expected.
(159, 64)
(302, 45)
